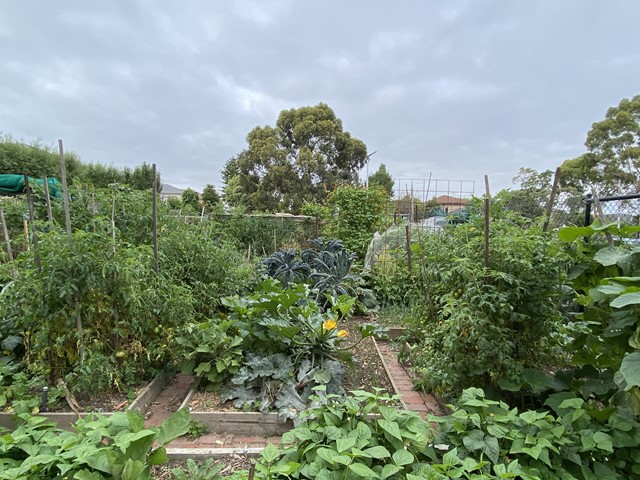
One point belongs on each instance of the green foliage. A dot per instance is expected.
(327, 267)
(194, 256)
(383, 180)
(211, 351)
(577, 440)
(342, 439)
(196, 430)
(481, 324)
(294, 347)
(38, 160)
(210, 198)
(358, 215)
(125, 310)
(206, 470)
(301, 159)
(118, 447)
(481, 439)
(191, 200)
(35, 160)
(21, 392)
(606, 284)
(612, 160)
(261, 235)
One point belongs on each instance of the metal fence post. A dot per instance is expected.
(588, 200)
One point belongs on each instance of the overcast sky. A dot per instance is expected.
(452, 89)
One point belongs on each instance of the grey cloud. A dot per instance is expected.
(456, 89)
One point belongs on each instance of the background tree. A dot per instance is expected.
(210, 197)
(305, 156)
(191, 200)
(381, 178)
(612, 161)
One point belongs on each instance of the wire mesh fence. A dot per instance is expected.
(419, 207)
(426, 207)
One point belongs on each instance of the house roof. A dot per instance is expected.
(449, 200)
(171, 190)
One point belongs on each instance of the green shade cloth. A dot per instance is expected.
(14, 184)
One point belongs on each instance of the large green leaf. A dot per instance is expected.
(569, 234)
(632, 298)
(363, 471)
(630, 369)
(610, 256)
(174, 426)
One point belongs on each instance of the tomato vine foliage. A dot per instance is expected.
(482, 324)
(124, 308)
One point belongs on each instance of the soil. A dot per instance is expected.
(366, 373)
(103, 402)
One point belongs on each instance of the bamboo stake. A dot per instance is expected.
(407, 233)
(65, 190)
(48, 200)
(154, 220)
(5, 233)
(67, 222)
(32, 217)
(552, 199)
(487, 197)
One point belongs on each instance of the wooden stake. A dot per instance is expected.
(32, 218)
(552, 199)
(487, 197)
(407, 233)
(5, 233)
(67, 222)
(65, 190)
(154, 220)
(48, 200)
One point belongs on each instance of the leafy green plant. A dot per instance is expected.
(359, 213)
(577, 440)
(197, 429)
(92, 311)
(193, 470)
(481, 439)
(606, 284)
(327, 266)
(21, 392)
(195, 257)
(483, 324)
(294, 346)
(212, 351)
(118, 447)
(285, 267)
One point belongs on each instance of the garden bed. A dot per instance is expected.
(367, 373)
(105, 405)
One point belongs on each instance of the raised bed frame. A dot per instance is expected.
(66, 419)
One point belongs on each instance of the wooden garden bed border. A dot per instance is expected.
(66, 419)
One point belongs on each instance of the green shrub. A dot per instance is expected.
(195, 257)
(482, 324)
(358, 214)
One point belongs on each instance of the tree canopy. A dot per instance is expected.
(37, 160)
(210, 197)
(381, 178)
(304, 157)
(612, 161)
